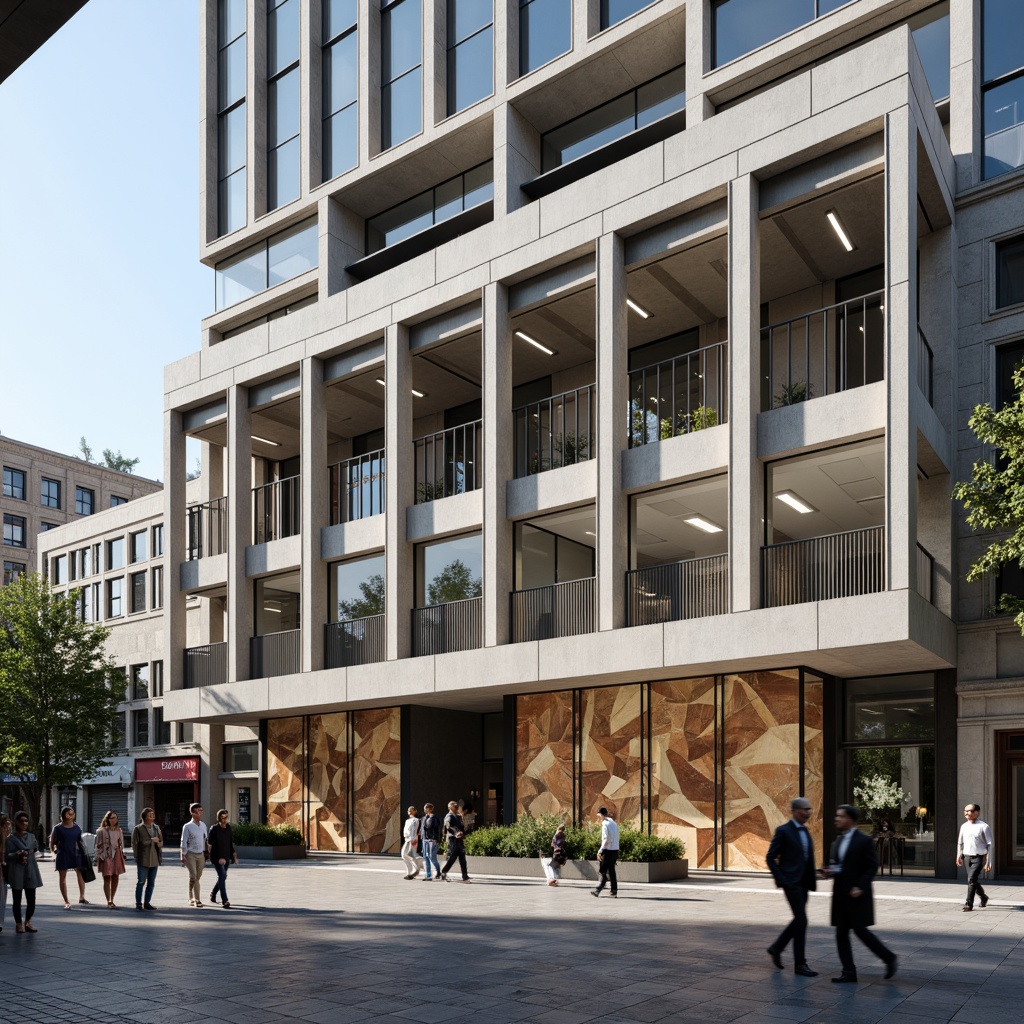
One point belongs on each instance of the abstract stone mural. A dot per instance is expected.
(286, 757)
(328, 782)
(814, 757)
(544, 753)
(610, 734)
(376, 780)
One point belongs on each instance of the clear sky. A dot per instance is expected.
(100, 281)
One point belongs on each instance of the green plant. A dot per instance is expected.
(257, 834)
(793, 393)
(880, 793)
(570, 449)
(703, 416)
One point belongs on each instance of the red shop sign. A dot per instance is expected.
(167, 769)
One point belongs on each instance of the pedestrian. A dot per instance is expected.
(110, 855)
(791, 862)
(222, 856)
(5, 831)
(411, 835)
(430, 832)
(553, 865)
(66, 843)
(194, 844)
(607, 853)
(455, 834)
(23, 872)
(147, 845)
(974, 843)
(852, 865)
(469, 818)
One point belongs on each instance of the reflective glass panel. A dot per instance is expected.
(931, 37)
(231, 202)
(357, 588)
(466, 17)
(1010, 272)
(402, 109)
(341, 73)
(242, 276)
(231, 77)
(232, 20)
(401, 39)
(1004, 127)
(585, 134)
(401, 222)
(545, 32)
(232, 141)
(470, 71)
(1002, 27)
(614, 11)
(447, 200)
(341, 142)
(293, 253)
(891, 708)
(282, 37)
(283, 174)
(449, 570)
(663, 96)
(283, 108)
(338, 16)
(479, 185)
(744, 25)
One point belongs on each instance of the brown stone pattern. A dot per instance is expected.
(762, 761)
(682, 753)
(376, 780)
(328, 781)
(285, 771)
(544, 753)
(814, 758)
(610, 737)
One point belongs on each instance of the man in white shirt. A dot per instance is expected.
(607, 853)
(975, 844)
(194, 840)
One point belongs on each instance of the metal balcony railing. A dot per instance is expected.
(206, 665)
(555, 432)
(276, 510)
(679, 395)
(925, 573)
(354, 642)
(560, 609)
(678, 590)
(206, 529)
(275, 654)
(823, 352)
(442, 628)
(449, 462)
(822, 568)
(357, 487)
(925, 359)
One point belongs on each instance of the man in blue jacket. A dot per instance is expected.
(791, 862)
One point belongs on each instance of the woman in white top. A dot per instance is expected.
(110, 855)
(411, 835)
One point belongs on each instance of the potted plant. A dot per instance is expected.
(256, 841)
(880, 795)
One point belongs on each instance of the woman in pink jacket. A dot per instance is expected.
(110, 855)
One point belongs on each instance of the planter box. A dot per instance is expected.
(270, 852)
(579, 870)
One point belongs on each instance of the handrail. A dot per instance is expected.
(275, 654)
(688, 589)
(276, 510)
(557, 609)
(205, 665)
(449, 462)
(357, 487)
(206, 529)
(349, 642)
(451, 626)
(549, 436)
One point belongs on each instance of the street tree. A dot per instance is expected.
(58, 710)
(370, 603)
(453, 583)
(111, 459)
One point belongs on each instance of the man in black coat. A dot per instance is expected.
(791, 862)
(852, 865)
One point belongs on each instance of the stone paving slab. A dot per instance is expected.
(348, 941)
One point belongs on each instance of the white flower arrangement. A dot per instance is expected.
(880, 793)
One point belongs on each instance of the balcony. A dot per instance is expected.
(448, 462)
(823, 352)
(823, 568)
(206, 665)
(275, 654)
(276, 510)
(562, 609)
(690, 589)
(357, 487)
(206, 529)
(443, 628)
(679, 396)
(555, 432)
(354, 642)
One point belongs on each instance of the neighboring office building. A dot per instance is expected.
(589, 385)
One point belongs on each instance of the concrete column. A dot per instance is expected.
(208, 199)
(698, 57)
(612, 403)
(256, 109)
(964, 90)
(314, 511)
(211, 786)
(516, 158)
(369, 80)
(746, 532)
(239, 531)
(435, 66)
(342, 241)
(175, 637)
(901, 346)
(497, 456)
(398, 485)
(311, 23)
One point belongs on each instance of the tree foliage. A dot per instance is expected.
(111, 459)
(453, 583)
(994, 496)
(370, 603)
(57, 709)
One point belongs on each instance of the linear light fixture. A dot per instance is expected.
(266, 440)
(638, 309)
(418, 394)
(589, 533)
(535, 343)
(794, 501)
(837, 226)
(703, 524)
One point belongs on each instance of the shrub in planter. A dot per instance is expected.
(257, 834)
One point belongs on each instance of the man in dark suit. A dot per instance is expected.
(852, 865)
(791, 862)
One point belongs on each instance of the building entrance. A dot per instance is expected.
(1009, 813)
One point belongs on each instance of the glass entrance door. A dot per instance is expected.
(1009, 823)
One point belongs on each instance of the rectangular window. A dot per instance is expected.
(470, 52)
(270, 262)
(356, 588)
(137, 545)
(930, 30)
(86, 607)
(1010, 272)
(158, 587)
(401, 74)
(340, 56)
(115, 553)
(140, 682)
(12, 570)
(85, 501)
(614, 11)
(140, 728)
(545, 32)
(97, 557)
(890, 708)
(120, 737)
(138, 592)
(186, 732)
(1002, 91)
(282, 102)
(14, 532)
(43, 527)
(115, 501)
(158, 679)
(14, 483)
(49, 493)
(241, 757)
(231, 65)
(115, 592)
(158, 540)
(161, 729)
(85, 562)
(449, 570)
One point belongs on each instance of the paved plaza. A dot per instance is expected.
(338, 940)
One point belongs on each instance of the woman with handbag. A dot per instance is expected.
(110, 855)
(553, 865)
(5, 831)
(66, 843)
(21, 850)
(147, 842)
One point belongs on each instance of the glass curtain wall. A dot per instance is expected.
(614, 11)
(470, 52)
(340, 141)
(282, 102)
(545, 32)
(1002, 91)
(230, 116)
(401, 71)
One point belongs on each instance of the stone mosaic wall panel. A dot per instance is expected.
(762, 761)
(544, 753)
(376, 780)
(610, 731)
(286, 758)
(814, 758)
(328, 781)
(683, 765)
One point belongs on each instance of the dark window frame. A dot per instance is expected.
(273, 201)
(1016, 242)
(47, 497)
(387, 142)
(17, 525)
(85, 501)
(222, 114)
(10, 487)
(134, 605)
(12, 570)
(451, 57)
(988, 85)
(326, 56)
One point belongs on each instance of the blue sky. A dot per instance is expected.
(100, 281)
